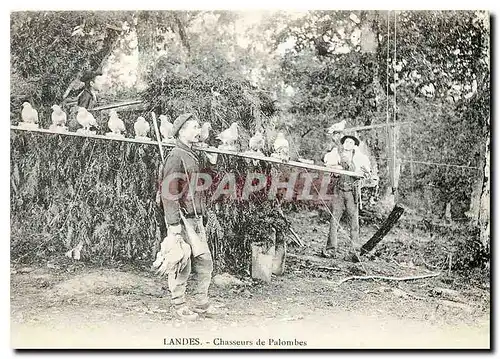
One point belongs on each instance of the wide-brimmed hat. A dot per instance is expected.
(352, 137)
(90, 75)
(179, 122)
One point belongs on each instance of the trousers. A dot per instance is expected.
(201, 266)
(343, 201)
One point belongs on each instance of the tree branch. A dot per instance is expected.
(389, 278)
(309, 130)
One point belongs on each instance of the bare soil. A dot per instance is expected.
(63, 304)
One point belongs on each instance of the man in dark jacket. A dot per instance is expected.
(184, 208)
(88, 97)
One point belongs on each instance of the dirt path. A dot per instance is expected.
(70, 305)
(91, 308)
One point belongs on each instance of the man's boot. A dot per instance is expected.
(206, 310)
(184, 313)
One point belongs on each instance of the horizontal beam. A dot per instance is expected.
(116, 105)
(206, 149)
(362, 128)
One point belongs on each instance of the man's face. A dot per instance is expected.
(348, 144)
(190, 132)
(96, 83)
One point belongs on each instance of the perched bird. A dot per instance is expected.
(29, 114)
(59, 117)
(332, 158)
(257, 142)
(205, 131)
(165, 128)
(75, 252)
(337, 127)
(361, 162)
(141, 127)
(281, 147)
(115, 124)
(230, 135)
(85, 119)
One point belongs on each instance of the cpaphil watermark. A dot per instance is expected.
(289, 186)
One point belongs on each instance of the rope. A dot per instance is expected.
(440, 164)
(394, 134)
(412, 173)
(387, 76)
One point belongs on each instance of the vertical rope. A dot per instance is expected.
(395, 112)
(387, 74)
(387, 129)
(412, 180)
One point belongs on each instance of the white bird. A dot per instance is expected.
(29, 114)
(141, 127)
(85, 119)
(115, 124)
(166, 128)
(230, 135)
(257, 142)
(281, 147)
(337, 127)
(75, 252)
(59, 117)
(361, 162)
(332, 158)
(205, 131)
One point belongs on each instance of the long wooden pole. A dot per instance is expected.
(116, 105)
(206, 149)
(362, 128)
(158, 137)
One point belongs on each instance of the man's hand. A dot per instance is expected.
(366, 172)
(337, 167)
(212, 157)
(175, 229)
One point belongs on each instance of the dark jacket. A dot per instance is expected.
(87, 99)
(181, 161)
(345, 182)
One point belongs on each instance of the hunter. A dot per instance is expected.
(184, 208)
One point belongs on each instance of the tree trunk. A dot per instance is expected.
(145, 43)
(182, 32)
(484, 208)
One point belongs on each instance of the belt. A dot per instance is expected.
(344, 188)
(190, 215)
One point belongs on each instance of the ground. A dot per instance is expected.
(72, 304)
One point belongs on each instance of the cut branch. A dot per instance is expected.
(396, 213)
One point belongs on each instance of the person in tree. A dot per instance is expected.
(88, 97)
(184, 209)
(346, 193)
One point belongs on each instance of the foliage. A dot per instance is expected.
(295, 73)
(442, 82)
(100, 192)
(45, 53)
